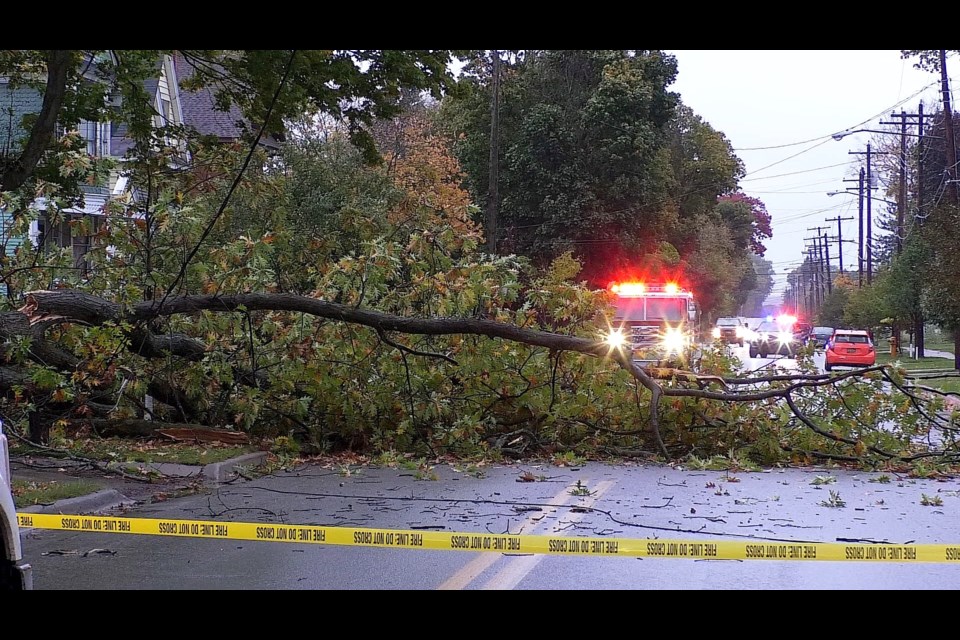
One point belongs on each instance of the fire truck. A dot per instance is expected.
(658, 322)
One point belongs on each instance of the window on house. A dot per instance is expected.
(166, 110)
(38, 232)
(97, 136)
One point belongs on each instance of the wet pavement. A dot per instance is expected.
(612, 502)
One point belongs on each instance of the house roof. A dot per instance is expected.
(200, 109)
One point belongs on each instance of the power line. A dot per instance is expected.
(800, 153)
(830, 135)
(793, 173)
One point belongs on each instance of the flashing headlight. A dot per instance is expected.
(716, 332)
(769, 318)
(740, 331)
(674, 340)
(784, 337)
(616, 339)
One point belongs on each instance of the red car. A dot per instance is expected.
(850, 348)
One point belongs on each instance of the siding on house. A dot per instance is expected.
(8, 241)
(14, 104)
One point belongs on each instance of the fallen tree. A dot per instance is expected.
(47, 308)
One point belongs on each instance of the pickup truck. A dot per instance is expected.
(730, 330)
(14, 573)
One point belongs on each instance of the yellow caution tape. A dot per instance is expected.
(508, 544)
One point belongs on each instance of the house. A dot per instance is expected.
(172, 105)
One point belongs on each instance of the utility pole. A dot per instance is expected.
(826, 251)
(493, 194)
(919, 330)
(902, 192)
(951, 171)
(920, 166)
(838, 220)
(869, 221)
(816, 255)
(902, 205)
(951, 144)
(869, 237)
(820, 284)
(822, 248)
(860, 217)
(800, 289)
(902, 233)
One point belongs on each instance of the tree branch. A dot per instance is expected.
(400, 347)
(58, 66)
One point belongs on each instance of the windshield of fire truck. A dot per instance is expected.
(669, 309)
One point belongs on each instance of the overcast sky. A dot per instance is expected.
(794, 101)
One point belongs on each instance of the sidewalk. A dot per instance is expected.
(160, 481)
(933, 353)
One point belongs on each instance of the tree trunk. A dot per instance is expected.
(956, 348)
(918, 333)
(39, 430)
(41, 133)
(138, 428)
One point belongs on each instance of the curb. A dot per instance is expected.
(92, 503)
(106, 499)
(233, 468)
(215, 471)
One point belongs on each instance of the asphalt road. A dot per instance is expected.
(635, 501)
(758, 364)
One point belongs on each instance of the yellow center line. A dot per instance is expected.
(511, 575)
(469, 572)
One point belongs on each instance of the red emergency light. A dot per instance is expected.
(786, 319)
(640, 288)
(628, 288)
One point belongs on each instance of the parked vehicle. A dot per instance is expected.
(775, 338)
(803, 330)
(820, 336)
(730, 330)
(14, 573)
(850, 348)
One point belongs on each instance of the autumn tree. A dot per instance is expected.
(349, 305)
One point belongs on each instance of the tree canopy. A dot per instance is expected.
(347, 303)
